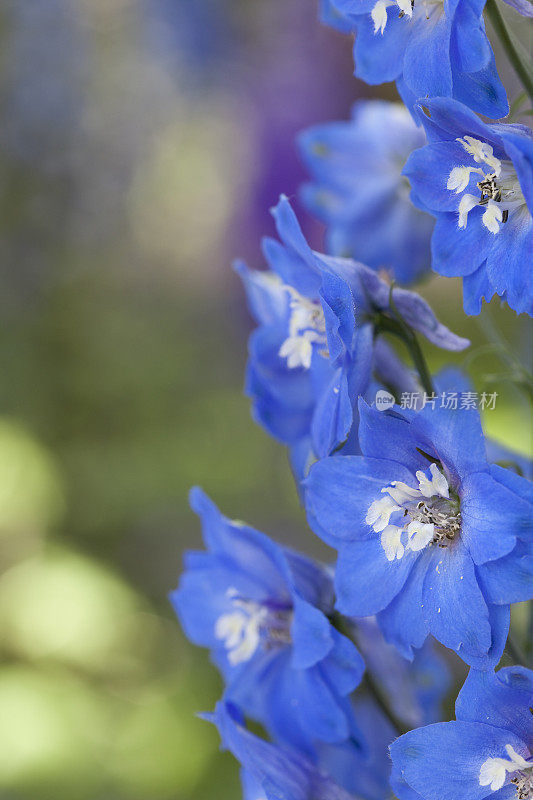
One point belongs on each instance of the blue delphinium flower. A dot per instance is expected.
(431, 48)
(431, 538)
(477, 180)
(330, 15)
(358, 190)
(337, 772)
(280, 773)
(263, 612)
(487, 753)
(315, 348)
(414, 689)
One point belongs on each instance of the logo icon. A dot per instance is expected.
(384, 400)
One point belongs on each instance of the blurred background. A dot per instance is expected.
(141, 145)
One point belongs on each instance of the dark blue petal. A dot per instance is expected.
(501, 699)
(482, 90)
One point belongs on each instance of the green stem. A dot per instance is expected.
(399, 328)
(374, 690)
(500, 28)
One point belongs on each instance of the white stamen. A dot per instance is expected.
(500, 190)
(460, 178)
(380, 512)
(406, 6)
(379, 16)
(493, 771)
(492, 217)
(467, 203)
(437, 485)
(481, 152)
(240, 632)
(298, 350)
(419, 535)
(307, 327)
(391, 542)
(427, 514)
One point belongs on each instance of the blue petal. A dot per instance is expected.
(454, 436)
(418, 314)
(333, 416)
(492, 518)
(405, 620)
(389, 435)
(291, 267)
(366, 582)
(471, 47)
(510, 579)
(428, 169)
(340, 490)
(251, 551)
(482, 91)
(282, 774)
(501, 699)
(379, 56)
(442, 761)
(267, 300)
(523, 7)
(476, 287)
(511, 250)
(455, 250)
(311, 635)
(456, 609)
(318, 707)
(427, 69)
(449, 119)
(344, 666)
(516, 483)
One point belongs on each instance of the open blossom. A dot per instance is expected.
(477, 180)
(262, 610)
(273, 771)
(431, 538)
(270, 771)
(431, 48)
(359, 192)
(487, 753)
(315, 349)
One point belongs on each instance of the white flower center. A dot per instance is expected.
(424, 9)
(251, 624)
(499, 189)
(307, 327)
(494, 771)
(423, 516)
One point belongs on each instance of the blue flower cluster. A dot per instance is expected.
(344, 668)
